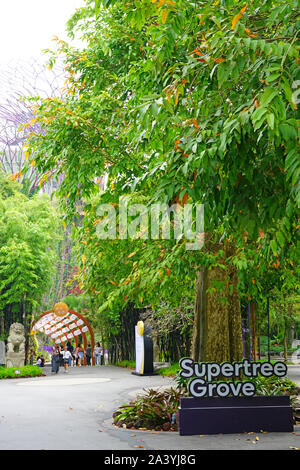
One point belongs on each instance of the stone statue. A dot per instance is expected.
(15, 354)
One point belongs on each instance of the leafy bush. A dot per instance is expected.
(153, 410)
(26, 371)
(274, 385)
(276, 346)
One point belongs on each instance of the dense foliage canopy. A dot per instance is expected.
(179, 101)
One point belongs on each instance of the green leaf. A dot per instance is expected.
(280, 238)
(268, 95)
(272, 77)
(288, 132)
(271, 120)
(97, 6)
(274, 246)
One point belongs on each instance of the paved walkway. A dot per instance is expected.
(74, 412)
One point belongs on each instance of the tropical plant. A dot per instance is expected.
(154, 409)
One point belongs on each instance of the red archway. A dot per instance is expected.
(66, 327)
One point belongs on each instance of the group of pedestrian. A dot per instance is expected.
(101, 357)
(60, 357)
(69, 356)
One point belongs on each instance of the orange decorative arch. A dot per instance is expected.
(65, 326)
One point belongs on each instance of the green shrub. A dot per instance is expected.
(274, 385)
(26, 371)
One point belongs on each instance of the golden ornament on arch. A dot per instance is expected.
(60, 309)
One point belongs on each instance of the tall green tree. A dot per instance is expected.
(28, 238)
(186, 102)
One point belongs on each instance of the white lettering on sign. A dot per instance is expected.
(203, 376)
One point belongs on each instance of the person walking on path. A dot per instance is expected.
(106, 356)
(97, 355)
(66, 357)
(60, 353)
(79, 352)
(71, 349)
(88, 355)
(55, 361)
(76, 357)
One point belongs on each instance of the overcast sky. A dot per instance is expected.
(28, 26)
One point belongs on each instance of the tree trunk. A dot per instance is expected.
(291, 334)
(285, 339)
(235, 319)
(253, 333)
(199, 316)
(217, 332)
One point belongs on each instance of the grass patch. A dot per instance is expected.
(26, 371)
(169, 371)
(126, 364)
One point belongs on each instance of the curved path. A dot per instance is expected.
(69, 411)
(74, 412)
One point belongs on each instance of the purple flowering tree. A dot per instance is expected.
(18, 82)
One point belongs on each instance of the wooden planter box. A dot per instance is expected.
(231, 415)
